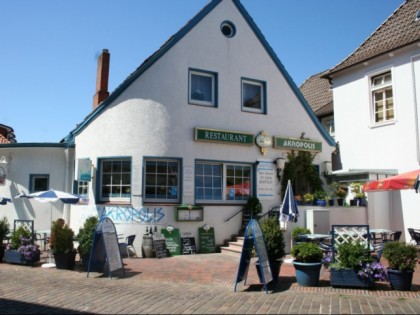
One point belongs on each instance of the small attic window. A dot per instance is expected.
(228, 29)
(417, 16)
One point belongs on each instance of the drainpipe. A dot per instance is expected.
(66, 209)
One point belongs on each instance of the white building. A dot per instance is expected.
(376, 94)
(201, 122)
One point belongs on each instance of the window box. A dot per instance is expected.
(348, 278)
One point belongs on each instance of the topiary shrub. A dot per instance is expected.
(400, 255)
(86, 235)
(307, 253)
(299, 230)
(274, 239)
(61, 237)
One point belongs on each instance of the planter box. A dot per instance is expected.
(14, 257)
(348, 278)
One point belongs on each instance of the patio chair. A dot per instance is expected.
(415, 236)
(393, 236)
(129, 243)
(376, 238)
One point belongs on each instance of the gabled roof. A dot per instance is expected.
(399, 30)
(318, 93)
(177, 37)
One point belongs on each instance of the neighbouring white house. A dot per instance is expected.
(204, 123)
(376, 94)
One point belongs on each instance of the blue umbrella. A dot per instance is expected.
(289, 210)
(4, 201)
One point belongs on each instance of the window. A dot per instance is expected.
(382, 98)
(228, 29)
(253, 96)
(162, 180)
(115, 180)
(328, 123)
(39, 183)
(82, 188)
(202, 88)
(222, 182)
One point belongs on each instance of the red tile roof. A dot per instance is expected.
(399, 30)
(318, 94)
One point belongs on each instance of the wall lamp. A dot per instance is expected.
(280, 162)
(327, 169)
(206, 227)
(170, 228)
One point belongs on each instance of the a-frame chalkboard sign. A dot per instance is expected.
(254, 237)
(105, 249)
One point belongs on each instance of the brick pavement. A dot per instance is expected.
(201, 284)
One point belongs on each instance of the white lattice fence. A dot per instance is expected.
(350, 234)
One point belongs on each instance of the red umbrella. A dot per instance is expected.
(398, 182)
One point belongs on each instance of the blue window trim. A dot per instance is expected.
(215, 92)
(223, 200)
(98, 184)
(264, 91)
(180, 180)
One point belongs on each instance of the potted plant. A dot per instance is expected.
(357, 190)
(339, 191)
(402, 260)
(308, 262)
(320, 196)
(297, 232)
(85, 238)
(353, 266)
(298, 199)
(274, 242)
(62, 245)
(252, 206)
(21, 249)
(4, 230)
(308, 198)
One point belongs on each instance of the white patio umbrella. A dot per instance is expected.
(289, 210)
(52, 196)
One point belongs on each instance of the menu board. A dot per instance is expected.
(172, 241)
(105, 248)
(188, 245)
(159, 245)
(206, 240)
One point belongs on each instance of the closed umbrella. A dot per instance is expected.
(52, 196)
(406, 180)
(289, 210)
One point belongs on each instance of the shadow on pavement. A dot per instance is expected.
(18, 307)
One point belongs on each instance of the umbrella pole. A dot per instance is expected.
(50, 264)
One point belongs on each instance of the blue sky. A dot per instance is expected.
(49, 49)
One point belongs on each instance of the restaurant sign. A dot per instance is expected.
(297, 144)
(223, 136)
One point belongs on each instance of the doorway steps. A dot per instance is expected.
(234, 247)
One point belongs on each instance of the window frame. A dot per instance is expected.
(382, 88)
(33, 177)
(176, 200)
(224, 166)
(263, 100)
(214, 87)
(117, 200)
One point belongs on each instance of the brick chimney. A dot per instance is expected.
(102, 75)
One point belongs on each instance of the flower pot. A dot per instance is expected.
(1, 253)
(400, 279)
(331, 202)
(321, 203)
(348, 278)
(353, 202)
(65, 261)
(340, 201)
(14, 257)
(275, 270)
(307, 274)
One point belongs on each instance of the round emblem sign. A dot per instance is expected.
(263, 141)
